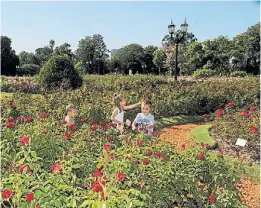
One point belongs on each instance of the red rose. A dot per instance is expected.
(10, 119)
(201, 156)
(26, 167)
(101, 123)
(110, 138)
(149, 153)
(84, 119)
(92, 122)
(94, 128)
(67, 135)
(205, 115)
(121, 176)
(183, 146)
(127, 139)
(97, 173)
(73, 127)
(212, 199)
(64, 122)
(252, 108)
(128, 158)
(6, 194)
(28, 119)
(10, 125)
(219, 113)
(111, 155)
(253, 129)
(56, 168)
(44, 132)
(229, 105)
(244, 113)
(19, 118)
(142, 183)
(43, 115)
(157, 154)
(96, 187)
(165, 158)
(146, 161)
(230, 116)
(107, 147)
(139, 143)
(29, 197)
(37, 205)
(24, 140)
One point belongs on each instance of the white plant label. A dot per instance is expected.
(241, 142)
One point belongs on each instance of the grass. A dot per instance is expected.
(201, 134)
(178, 120)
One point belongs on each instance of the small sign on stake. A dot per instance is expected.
(241, 142)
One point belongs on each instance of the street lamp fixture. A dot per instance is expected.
(180, 36)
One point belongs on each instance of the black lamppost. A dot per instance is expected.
(178, 38)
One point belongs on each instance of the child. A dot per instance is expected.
(117, 116)
(72, 111)
(144, 120)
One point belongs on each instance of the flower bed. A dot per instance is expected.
(232, 123)
(97, 167)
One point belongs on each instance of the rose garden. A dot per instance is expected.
(191, 160)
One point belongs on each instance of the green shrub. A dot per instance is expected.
(58, 72)
(28, 69)
(238, 74)
(201, 73)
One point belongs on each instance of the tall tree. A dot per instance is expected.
(43, 54)
(63, 49)
(28, 58)
(9, 60)
(93, 52)
(148, 59)
(159, 59)
(130, 57)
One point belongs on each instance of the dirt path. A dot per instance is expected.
(179, 135)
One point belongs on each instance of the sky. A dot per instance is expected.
(32, 24)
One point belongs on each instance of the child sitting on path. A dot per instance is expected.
(144, 121)
(72, 111)
(119, 107)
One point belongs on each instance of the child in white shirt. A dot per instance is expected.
(117, 116)
(144, 121)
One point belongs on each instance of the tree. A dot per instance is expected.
(43, 54)
(92, 51)
(218, 51)
(63, 49)
(188, 39)
(191, 58)
(246, 50)
(159, 59)
(9, 60)
(148, 59)
(130, 57)
(28, 58)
